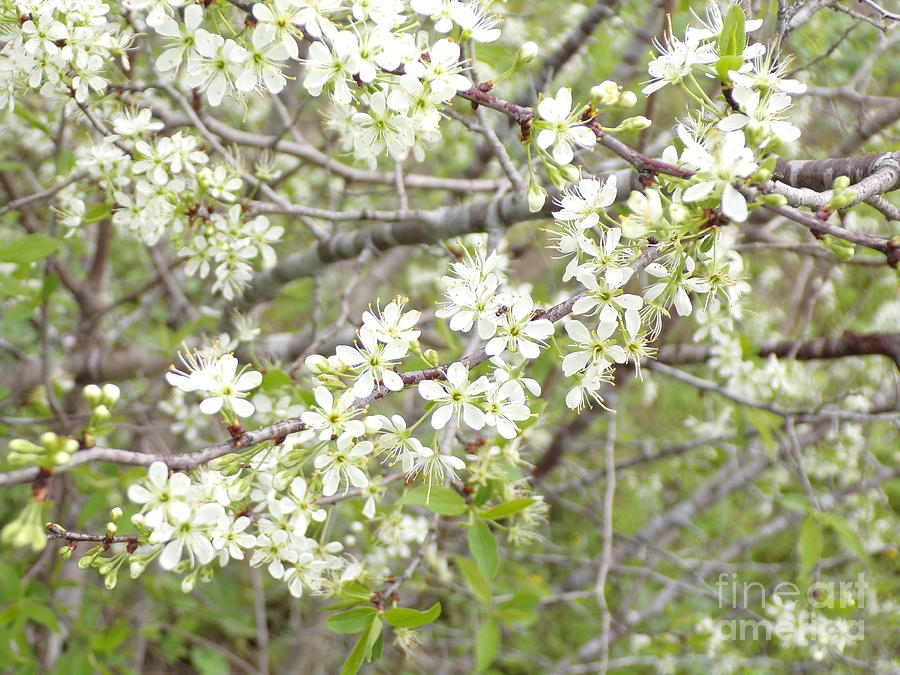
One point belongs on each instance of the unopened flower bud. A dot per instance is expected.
(634, 124)
(92, 395)
(61, 457)
(536, 195)
(372, 424)
(138, 521)
(526, 54)
(85, 562)
(678, 212)
(607, 92)
(627, 99)
(111, 528)
(65, 552)
(570, 173)
(49, 440)
(101, 413)
(431, 356)
(136, 569)
(111, 395)
(110, 581)
(316, 363)
(115, 514)
(555, 177)
(23, 446)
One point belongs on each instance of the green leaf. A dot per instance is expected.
(523, 600)
(766, 423)
(506, 509)
(6, 165)
(480, 587)
(727, 63)
(355, 658)
(811, 544)
(734, 35)
(483, 547)
(275, 379)
(96, 213)
(848, 535)
(351, 621)
(405, 617)
(484, 493)
(487, 642)
(28, 249)
(441, 500)
(43, 615)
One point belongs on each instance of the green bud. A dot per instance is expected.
(536, 196)
(555, 177)
(840, 184)
(115, 514)
(138, 521)
(61, 457)
(634, 124)
(65, 552)
(105, 568)
(110, 580)
(772, 199)
(92, 395)
(136, 569)
(841, 200)
(761, 175)
(570, 173)
(111, 528)
(432, 358)
(23, 446)
(49, 440)
(85, 562)
(101, 413)
(842, 250)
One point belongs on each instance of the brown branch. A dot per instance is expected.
(848, 344)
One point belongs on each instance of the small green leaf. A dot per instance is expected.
(487, 642)
(355, 658)
(483, 547)
(766, 423)
(6, 165)
(848, 535)
(275, 379)
(441, 500)
(405, 617)
(726, 64)
(43, 615)
(734, 35)
(811, 544)
(484, 493)
(28, 249)
(351, 621)
(480, 587)
(506, 509)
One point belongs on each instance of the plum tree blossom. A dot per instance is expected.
(560, 127)
(248, 178)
